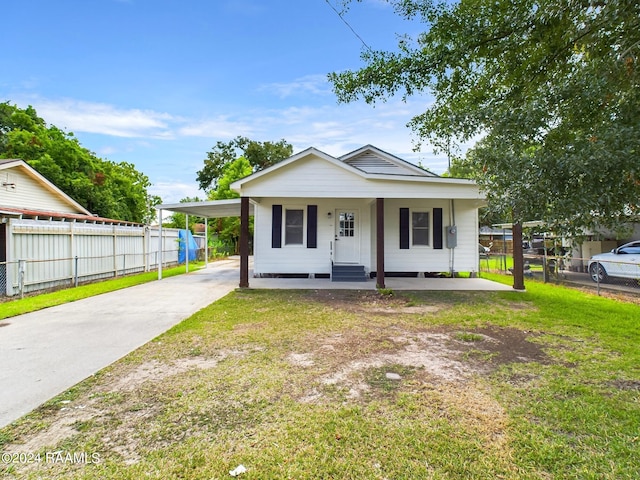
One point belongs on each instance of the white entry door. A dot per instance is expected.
(347, 241)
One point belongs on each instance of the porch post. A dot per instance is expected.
(244, 242)
(380, 243)
(518, 260)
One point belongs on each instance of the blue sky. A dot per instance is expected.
(158, 82)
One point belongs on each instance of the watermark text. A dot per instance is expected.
(59, 456)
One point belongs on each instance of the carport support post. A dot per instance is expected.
(244, 242)
(160, 244)
(186, 243)
(380, 243)
(206, 242)
(518, 260)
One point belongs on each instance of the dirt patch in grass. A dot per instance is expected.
(371, 302)
(632, 385)
(436, 355)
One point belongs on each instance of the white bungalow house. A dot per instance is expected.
(364, 214)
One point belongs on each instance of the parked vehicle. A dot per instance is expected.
(535, 250)
(621, 262)
(483, 251)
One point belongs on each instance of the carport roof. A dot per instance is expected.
(208, 209)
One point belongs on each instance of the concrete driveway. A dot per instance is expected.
(44, 353)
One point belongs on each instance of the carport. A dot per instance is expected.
(235, 207)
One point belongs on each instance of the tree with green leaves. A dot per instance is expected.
(551, 88)
(108, 189)
(259, 155)
(228, 229)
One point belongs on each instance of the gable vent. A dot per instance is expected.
(370, 163)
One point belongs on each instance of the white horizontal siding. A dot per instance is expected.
(316, 177)
(28, 193)
(300, 259)
(426, 258)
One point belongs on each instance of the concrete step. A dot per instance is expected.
(348, 273)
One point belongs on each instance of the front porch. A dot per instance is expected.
(392, 283)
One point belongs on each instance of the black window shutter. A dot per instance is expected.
(437, 228)
(404, 228)
(312, 226)
(276, 226)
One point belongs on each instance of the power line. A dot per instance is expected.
(348, 25)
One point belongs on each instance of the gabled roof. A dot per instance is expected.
(294, 158)
(352, 163)
(24, 167)
(371, 159)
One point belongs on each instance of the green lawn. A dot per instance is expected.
(496, 262)
(355, 385)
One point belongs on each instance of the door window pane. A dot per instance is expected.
(347, 224)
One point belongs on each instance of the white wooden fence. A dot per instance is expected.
(46, 254)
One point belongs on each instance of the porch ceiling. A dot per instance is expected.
(208, 209)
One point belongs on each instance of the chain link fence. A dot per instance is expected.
(24, 276)
(600, 276)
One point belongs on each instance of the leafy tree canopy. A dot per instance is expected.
(108, 189)
(233, 171)
(259, 155)
(228, 229)
(550, 86)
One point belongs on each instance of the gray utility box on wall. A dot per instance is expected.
(452, 236)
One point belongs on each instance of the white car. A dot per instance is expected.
(622, 262)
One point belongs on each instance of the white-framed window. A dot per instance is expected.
(294, 226)
(420, 228)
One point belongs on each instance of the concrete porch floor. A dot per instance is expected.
(393, 283)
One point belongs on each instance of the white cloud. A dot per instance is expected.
(106, 151)
(331, 127)
(173, 192)
(309, 84)
(219, 127)
(101, 118)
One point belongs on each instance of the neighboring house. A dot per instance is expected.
(23, 189)
(48, 239)
(367, 213)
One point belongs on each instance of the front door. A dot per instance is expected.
(347, 242)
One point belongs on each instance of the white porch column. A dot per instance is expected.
(186, 243)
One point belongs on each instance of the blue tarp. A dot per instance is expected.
(193, 246)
